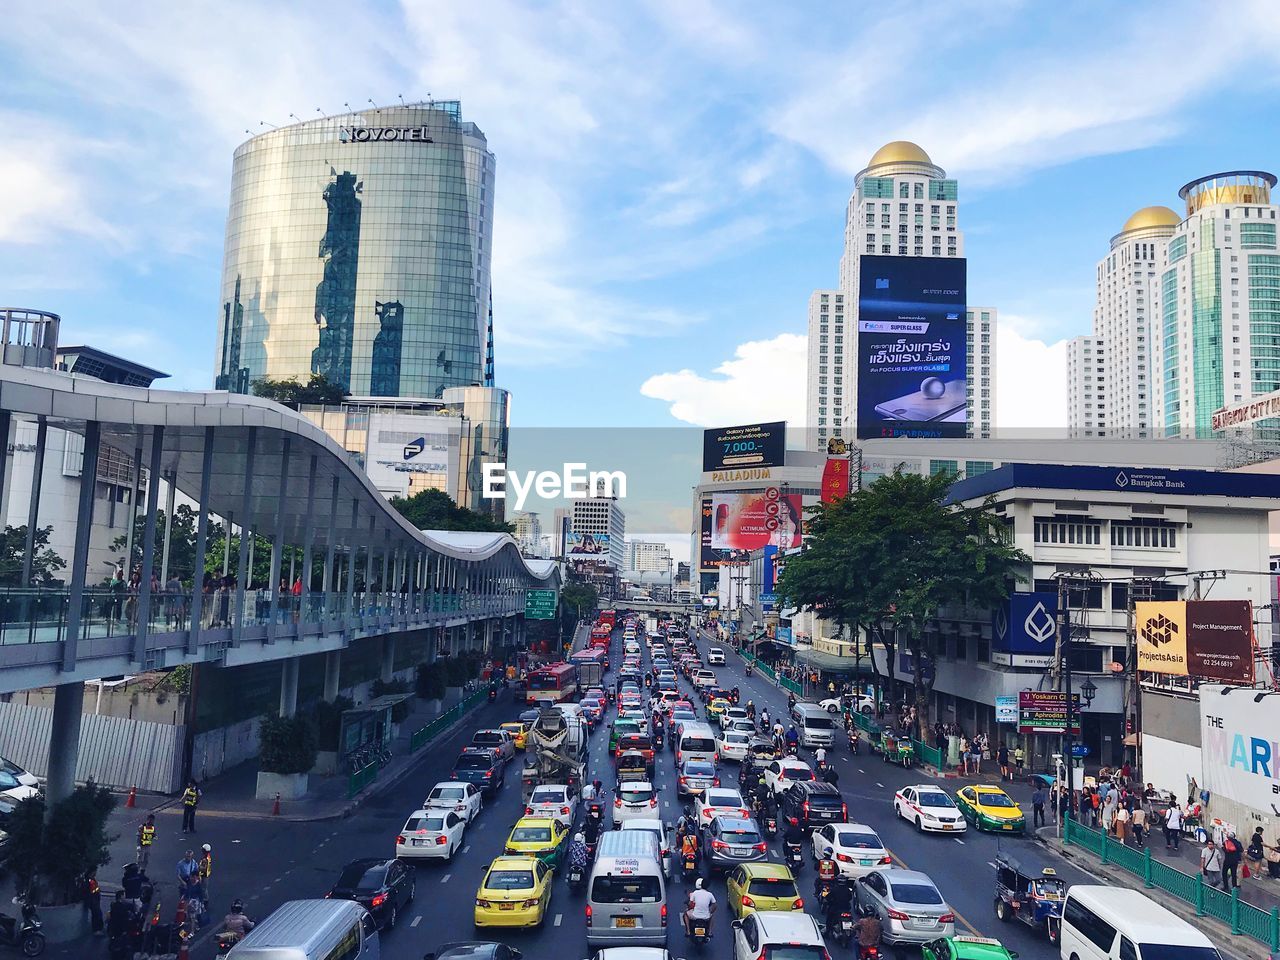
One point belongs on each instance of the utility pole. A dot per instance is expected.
(1141, 590)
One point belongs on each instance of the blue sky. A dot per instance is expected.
(672, 174)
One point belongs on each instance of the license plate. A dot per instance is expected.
(624, 922)
(419, 843)
(740, 851)
(926, 921)
(1007, 826)
(865, 863)
(506, 906)
(948, 826)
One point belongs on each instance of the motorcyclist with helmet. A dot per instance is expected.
(839, 901)
(577, 854)
(793, 738)
(235, 921)
(701, 906)
(867, 930)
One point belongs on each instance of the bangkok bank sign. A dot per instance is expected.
(384, 134)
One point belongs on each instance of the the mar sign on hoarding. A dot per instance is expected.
(1240, 745)
(539, 604)
(1205, 639)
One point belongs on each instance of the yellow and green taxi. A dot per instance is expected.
(619, 727)
(990, 808)
(966, 948)
(543, 838)
(519, 732)
(761, 886)
(716, 707)
(515, 892)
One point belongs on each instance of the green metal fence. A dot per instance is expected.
(1243, 918)
(930, 755)
(788, 684)
(362, 778)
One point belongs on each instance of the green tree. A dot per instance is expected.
(892, 554)
(182, 541)
(44, 564)
(578, 601)
(294, 392)
(435, 510)
(49, 858)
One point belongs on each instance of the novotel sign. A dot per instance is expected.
(384, 134)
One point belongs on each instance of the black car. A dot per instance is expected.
(811, 803)
(383, 887)
(480, 766)
(473, 950)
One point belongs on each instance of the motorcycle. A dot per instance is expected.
(843, 931)
(699, 932)
(770, 825)
(577, 876)
(493, 694)
(795, 856)
(854, 742)
(868, 953)
(688, 866)
(23, 934)
(749, 670)
(658, 739)
(225, 941)
(793, 750)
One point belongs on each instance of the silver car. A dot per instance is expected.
(894, 894)
(729, 841)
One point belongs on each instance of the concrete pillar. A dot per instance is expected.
(289, 687)
(202, 540)
(64, 742)
(388, 658)
(33, 508)
(332, 674)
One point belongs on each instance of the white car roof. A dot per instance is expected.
(926, 788)
(788, 927)
(448, 783)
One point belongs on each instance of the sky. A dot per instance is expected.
(672, 175)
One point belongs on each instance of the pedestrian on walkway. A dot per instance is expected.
(146, 838)
(1108, 811)
(964, 756)
(92, 899)
(1211, 863)
(1018, 759)
(1138, 822)
(1232, 852)
(1172, 827)
(1002, 758)
(1037, 806)
(1121, 823)
(190, 800)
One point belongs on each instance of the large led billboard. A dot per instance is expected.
(587, 546)
(751, 445)
(912, 362)
(748, 521)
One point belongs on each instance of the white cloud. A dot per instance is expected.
(1031, 381)
(765, 380)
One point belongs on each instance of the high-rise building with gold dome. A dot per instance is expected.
(1109, 381)
(903, 205)
(1187, 317)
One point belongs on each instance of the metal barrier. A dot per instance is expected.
(930, 755)
(1244, 918)
(362, 778)
(788, 684)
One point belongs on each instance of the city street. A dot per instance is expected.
(267, 863)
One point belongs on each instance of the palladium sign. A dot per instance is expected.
(379, 134)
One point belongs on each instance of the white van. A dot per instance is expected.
(626, 894)
(697, 742)
(312, 930)
(814, 724)
(1115, 923)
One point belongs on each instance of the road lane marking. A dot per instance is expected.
(559, 917)
(467, 848)
(958, 840)
(416, 920)
(991, 864)
(445, 878)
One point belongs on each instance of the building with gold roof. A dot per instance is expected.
(903, 205)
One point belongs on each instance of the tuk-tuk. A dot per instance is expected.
(896, 748)
(1033, 896)
(632, 765)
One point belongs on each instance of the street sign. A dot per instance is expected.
(1079, 749)
(768, 598)
(540, 604)
(1045, 711)
(1006, 709)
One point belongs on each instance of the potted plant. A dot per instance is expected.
(287, 753)
(48, 861)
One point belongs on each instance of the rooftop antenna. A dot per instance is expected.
(319, 111)
(265, 123)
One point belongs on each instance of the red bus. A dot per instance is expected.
(592, 664)
(558, 682)
(600, 635)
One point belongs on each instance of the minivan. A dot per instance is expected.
(626, 894)
(1114, 923)
(814, 724)
(311, 930)
(697, 742)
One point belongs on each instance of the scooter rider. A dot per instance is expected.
(793, 738)
(751, 710)
(235, 921)
(762, 797)
(702, 906)
(839, 900)
(577, 854)
(868, 932)
(791, 700)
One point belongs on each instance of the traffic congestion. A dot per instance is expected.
(651, 797)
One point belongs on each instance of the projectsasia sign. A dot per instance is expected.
(389, 134)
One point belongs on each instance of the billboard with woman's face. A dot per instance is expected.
(749, 521)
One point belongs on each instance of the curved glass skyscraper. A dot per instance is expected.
(358, 247)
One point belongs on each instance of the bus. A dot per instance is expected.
(592, 664)
(600, 634)
(557, 682)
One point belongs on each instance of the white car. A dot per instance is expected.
(866, 705)
(741, 726)
(462, 798)
(731, 714)
(929, 808)
(781, 774)
(719, 802)
(778, 933)
(704, 678)
(430, 835)
(635, 800)
(715, 657)
(856, 848)
(14, 789)
(732, 744)
(496, 739)
(23, 776)
(555, 801)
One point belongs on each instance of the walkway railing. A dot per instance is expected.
(1244, 918)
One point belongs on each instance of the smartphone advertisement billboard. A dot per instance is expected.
(912, 365)
(750, 445)
(748, 521)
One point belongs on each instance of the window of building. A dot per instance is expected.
(904, 189)
(918, 190)
(949, 467)
(1145, 534)
(1068, 531)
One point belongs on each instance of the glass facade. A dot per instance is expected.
(1206, 330)
(1264, 333)
(358, 247)
(1169, 319)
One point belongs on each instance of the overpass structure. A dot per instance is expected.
(649, 606)
(265, 471)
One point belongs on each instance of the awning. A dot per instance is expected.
(830, 663)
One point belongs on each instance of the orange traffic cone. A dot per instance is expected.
(275, 807)
(132, 799)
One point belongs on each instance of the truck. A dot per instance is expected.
(555, 750)
(651, 625)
